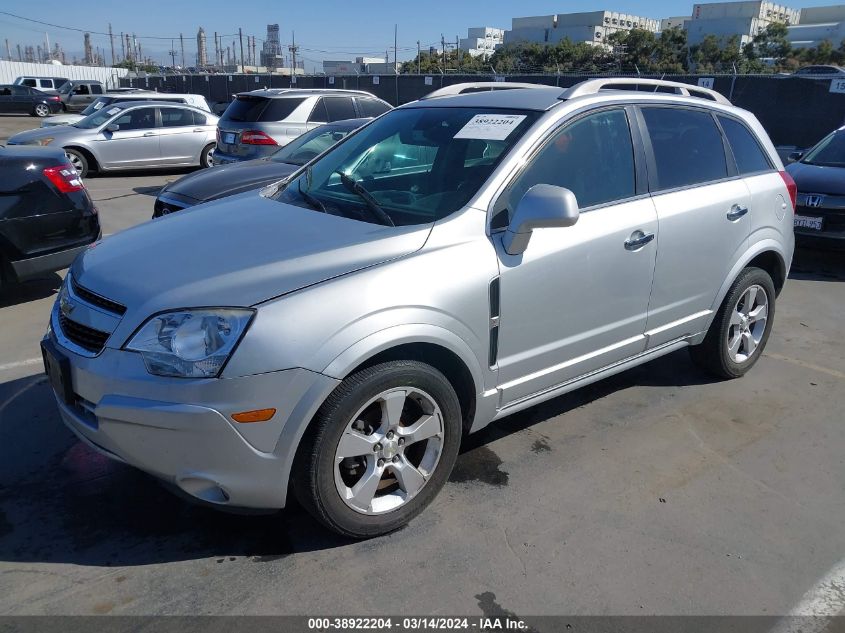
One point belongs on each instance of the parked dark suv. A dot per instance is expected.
(46, 215)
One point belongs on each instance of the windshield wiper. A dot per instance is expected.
(372, 204)
(314, 202)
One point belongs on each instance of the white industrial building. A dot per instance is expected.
(673, 22)
(818, 24)
(592, 27)
(361, 66)
(482, 40)
(741, 19)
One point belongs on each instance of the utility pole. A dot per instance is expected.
(419, 60)
(111, 40)
(172, 53)
(241, 38)
(395, 44)
(182, 46)
(443, 48)
(20, 57)
(216, 50)
(8, 50)
(458, 52)
(293, 48)
(122, 48)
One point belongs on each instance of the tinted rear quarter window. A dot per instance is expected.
(749, 155)
(371, 107)
(339, 108)
(688, 147)
(199, 119)
(319, 114)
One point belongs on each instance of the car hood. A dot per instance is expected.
(61, 119)
(58, 132)
(238, 251)
(226, 180)
(818, 179)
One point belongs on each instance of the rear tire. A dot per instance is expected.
(741, 327)
(79, 161)
(41, 110)
(206, 158)
(379, 450)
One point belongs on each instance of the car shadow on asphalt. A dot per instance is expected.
(818, 265)
(31, 290)
(62, 502)
(148, 191)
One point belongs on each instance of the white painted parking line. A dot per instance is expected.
(806, 365)
(824, 600)
(20, 363)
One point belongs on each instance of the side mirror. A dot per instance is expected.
(114, 127)
(542, 206)
(794, 156)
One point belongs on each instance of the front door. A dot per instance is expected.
(577, 299)
(134, 144)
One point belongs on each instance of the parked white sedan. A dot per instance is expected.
(132, 136)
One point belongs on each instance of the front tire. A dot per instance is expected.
(380, 449)
(207, 156)
(79, 161)
(741, 328)
(41, 110)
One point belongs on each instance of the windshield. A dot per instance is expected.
(309, 145)
(411, 166)
(830, 151)
(97, 119)
(96, 105)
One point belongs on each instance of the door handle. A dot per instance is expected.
(637, 240)
(149, 133)
(198, 129)
(736, 212)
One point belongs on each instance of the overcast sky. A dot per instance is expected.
(325, 29)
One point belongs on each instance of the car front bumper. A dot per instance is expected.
(181, 430)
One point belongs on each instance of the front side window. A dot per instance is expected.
(81, 89)
(411, 166)
(749, 156)
(139, 119)
(593, 157)
(45, 83)
(28, 82)
(687, 145)
(97, 90)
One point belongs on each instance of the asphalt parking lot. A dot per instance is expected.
(658, 491)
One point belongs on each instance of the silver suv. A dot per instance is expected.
(457, 260)
(257, 123)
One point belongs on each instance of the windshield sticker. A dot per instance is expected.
(99, 105)
(113, 111)
(490, 127)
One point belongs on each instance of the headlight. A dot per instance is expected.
(190, 343)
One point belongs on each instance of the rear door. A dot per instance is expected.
(23, 98)
(181, 140)
(135, 144)
(703, 207)
(80, 97)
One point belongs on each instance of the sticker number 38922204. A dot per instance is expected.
(490, 127)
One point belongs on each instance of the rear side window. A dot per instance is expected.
(339, 108)
(688, 147)
(199, 119)
(371, 107)
(96, 89)
(176, 117)
(45, 83)
(749, 155)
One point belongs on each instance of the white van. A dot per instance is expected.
(198, 101)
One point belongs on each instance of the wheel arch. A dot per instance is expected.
(769, 256)
(93, 164)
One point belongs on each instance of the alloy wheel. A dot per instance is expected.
(389, 450)
(747, 323)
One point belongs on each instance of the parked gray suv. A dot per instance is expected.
(459, 259)
(257, 123)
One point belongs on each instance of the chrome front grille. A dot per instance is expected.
(85, 337)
